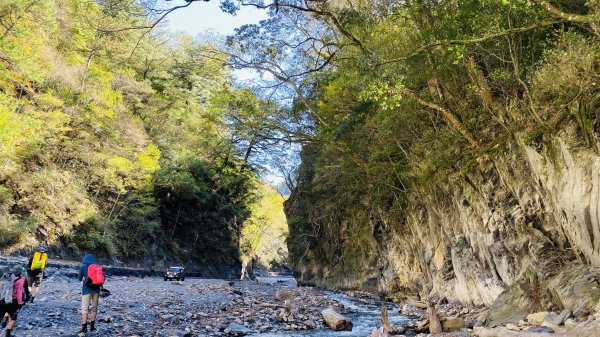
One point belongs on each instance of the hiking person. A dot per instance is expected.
(14, 292)
(8, 278)
(35, 271)
(92, 278)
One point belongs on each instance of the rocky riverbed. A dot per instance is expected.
(271, 306)
(196, 307)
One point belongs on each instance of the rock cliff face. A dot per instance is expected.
(530, 206)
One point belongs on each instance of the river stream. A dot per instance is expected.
(365, 317)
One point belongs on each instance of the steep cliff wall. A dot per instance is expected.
(530, 205)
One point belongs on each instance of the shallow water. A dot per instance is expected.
(365, 319)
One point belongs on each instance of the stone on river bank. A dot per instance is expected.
(573, 287)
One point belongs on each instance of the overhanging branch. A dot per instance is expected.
(421, 49)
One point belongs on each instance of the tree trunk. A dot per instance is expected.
(449, 116)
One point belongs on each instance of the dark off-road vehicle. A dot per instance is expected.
(175, 273)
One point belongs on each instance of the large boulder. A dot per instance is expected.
(573, 287)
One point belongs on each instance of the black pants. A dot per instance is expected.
(11, 308)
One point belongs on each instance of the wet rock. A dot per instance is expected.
(379, 333)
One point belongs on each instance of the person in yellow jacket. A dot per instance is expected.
(35, 271)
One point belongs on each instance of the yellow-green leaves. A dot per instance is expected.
(265, 232)
(385, 94)
(124, 173)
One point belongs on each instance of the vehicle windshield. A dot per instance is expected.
(175, 269)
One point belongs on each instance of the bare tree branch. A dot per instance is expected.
(327, 14)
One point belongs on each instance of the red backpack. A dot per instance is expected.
(95, 275)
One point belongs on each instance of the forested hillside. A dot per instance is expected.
(115, 139)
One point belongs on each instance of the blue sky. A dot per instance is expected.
(201, 16)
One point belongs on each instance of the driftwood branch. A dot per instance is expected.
(336, 321)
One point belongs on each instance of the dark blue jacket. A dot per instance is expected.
(87, 260)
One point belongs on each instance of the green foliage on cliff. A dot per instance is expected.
(116, 140)
(407, 98)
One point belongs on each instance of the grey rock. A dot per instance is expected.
(238, 329)
(580, 312)
(553, 319)
(540, 329)
(179, 333)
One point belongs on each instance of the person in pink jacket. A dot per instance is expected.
(14, 292)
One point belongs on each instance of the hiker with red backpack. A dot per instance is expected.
(92, 277)
(35, 271)
(14, 292)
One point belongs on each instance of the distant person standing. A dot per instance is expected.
(35, 271)
(92, 278)
(14, 293)
(248, 265)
